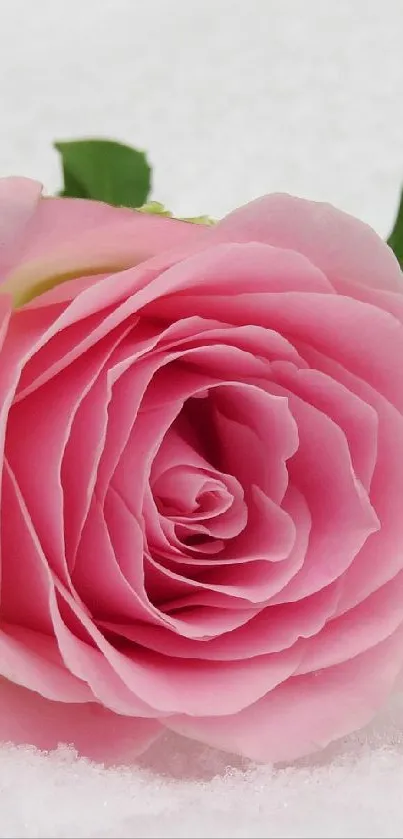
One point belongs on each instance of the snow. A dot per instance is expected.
(230, 100)
(185, 790)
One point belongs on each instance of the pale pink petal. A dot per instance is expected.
(305, 713)
(26, 718)
(121, 295)
(339, 244)
(200, 687)
(7, 377)
(50, 338)
(233, 268)
(390, 301)
(73, 237)
(138, 287)
(18, 336)
(191, 373)
(19, 199)
(33, 660)
(218, 505)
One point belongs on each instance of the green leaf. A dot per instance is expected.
(105, 170)
(72, 187)
(395, 240)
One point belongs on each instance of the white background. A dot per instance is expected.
(231, 99)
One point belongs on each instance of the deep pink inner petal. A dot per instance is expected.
(257, 434)
(338, 504)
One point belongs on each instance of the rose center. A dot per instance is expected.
(200, 505)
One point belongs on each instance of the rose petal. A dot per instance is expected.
(381, 557)
(82, 660)
(257, 435)
(33, 660)
(19, 198)
(231, 268)
(359, 629)
(26, 718)
(73, 237)
(305, 713)
(168, 685)
(359, 336)
(92, 412)
(277, 628)
(357, 419)
(35, 450)
(98, 576)
(339, 244)
(128, 546)
(25, 583)
(322, 471)
(29, 653)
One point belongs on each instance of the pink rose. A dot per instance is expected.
(201, 513)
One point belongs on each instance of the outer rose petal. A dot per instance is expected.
(305, 713)
(72, 237)
(32, 660)
(19, 198)
(28, 719)
(340, 245)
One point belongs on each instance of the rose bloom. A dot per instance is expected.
(202, 476)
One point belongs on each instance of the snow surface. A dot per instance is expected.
(231, 100)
